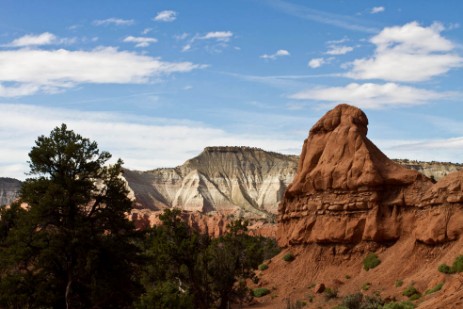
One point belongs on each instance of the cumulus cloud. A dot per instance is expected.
(408, 53)
(28, 71)
(166, 16)
(113, 21)
(377, 9)
(217, 35)
(316, 62)
(45, 38)
(133, 138)
(339, 50)
(140, 41)
(278, 53)
(371, 95)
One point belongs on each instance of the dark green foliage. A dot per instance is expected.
(366, 286)
(74, 246)
(259, 292)
(444, 268)
(401, 305)
(457, 266)
(371, 261)
(263, 266)
(288, 257)
(330, 293)
(438, 287)
(398, 283)
(360, 301)
(412, 293)
(207, 272)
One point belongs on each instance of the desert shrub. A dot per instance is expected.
(412, 293)
(347, 277)
(259, 292)
(415, 296)
(353, 301)
(401, 305)
(288, 257)
(297, 305)
(398, 283)
(330, 293)
(457, 266)
(438, 287)
(371, 261)
(444, 268)
(263, 266)
(366, 286)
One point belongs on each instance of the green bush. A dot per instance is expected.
(401, 305)
(366, 286)
(438, 287)
(444, 268)
(353, 301)
(263, 266)
(371, 261)
(412, 293)
(259, 292)
(288, 257)
(330, 293)
(457, 266)
(398, 283)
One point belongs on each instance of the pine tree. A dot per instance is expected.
(73, 247)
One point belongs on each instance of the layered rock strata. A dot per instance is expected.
(347, 191)
(223, 179)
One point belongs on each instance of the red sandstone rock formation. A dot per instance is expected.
(346, 190)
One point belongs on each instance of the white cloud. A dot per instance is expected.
(140, 41)
(316, 62)
(371, 95)
(339, 50)
(377, 9)
(408, 53)
(278, 53)
(218, 35)
(45, 38)
(28, 71)
(166, 16)
(143, 143)
(146, 31)
(113, 21)
(220, 40)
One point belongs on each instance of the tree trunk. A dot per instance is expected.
(67, 295)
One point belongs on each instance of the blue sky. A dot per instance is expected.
(154, 82)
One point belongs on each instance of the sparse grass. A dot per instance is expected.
(263, 266)
(366, 286)
(311, 286)
(438, 287)
(310, 298)
(259, 292)
(398, 283)
(371, 261)
(288, 257)
(401, 305)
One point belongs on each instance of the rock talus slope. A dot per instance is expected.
(348, 199)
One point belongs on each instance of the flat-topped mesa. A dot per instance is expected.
(346, 189)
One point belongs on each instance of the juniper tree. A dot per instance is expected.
(72, 247)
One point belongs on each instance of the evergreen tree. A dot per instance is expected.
(73, 247)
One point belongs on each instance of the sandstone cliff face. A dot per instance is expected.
(224, 179)
(9, 190)
(349, 199)
(347, 191)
